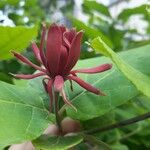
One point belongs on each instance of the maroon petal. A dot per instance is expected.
(74, 52)
(58, 83)
(36, 52)
(86, 85)
(28, 62)
(58, 86)
(97, 69)
(53, 46)
(63, 59)
(66, 42)
(66, 101)
(42, 45)
(28, 76)
(62, 28)
(50, 92)
(69, 35)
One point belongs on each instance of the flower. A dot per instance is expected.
(61, 54)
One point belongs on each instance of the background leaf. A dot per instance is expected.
(117, 87)
(126, 13)
(15, 38)
(141, 81)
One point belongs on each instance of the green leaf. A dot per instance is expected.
(15, 38)
(126, 13)
(90, 6)
(117, 87)
(119, 146)
(23, 116)
(56, 143)
(141, 81)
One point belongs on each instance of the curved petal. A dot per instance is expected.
(28, 76)
(86, 85)
(69, 35)
(66, 101)
(58, 87)
(36, 52)
(42, 45)
(27, 61)
(53, 46)
(74, 52)
(97, 69)
(63, 59)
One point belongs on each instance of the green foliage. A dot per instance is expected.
(24, 106)
(8, 2)
(126, 13)
(141, 81)
(23, 114)
(15, 38)
(117, 87)
(63, 143)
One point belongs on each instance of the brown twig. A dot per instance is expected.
(119, 124)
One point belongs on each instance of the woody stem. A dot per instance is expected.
(58, 120)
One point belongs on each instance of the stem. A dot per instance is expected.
(119, 124)
(58, 120)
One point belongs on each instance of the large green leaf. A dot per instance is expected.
(15, 38)
(56, 143)
(117, 87)
(141, 81)
(23, 116)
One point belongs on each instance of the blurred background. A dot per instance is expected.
(122, 24)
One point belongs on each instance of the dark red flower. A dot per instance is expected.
(61, 55)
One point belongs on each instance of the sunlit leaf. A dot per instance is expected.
(141, 81)
(15, 38)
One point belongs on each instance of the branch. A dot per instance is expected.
(58, 120)
(119, 124)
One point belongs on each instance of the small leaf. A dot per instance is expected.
(56, 143)
(15, 38)
(126, 13)
(141, 81)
